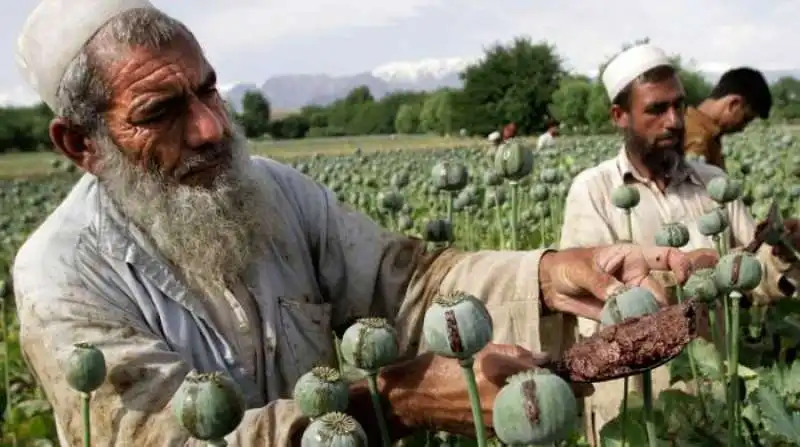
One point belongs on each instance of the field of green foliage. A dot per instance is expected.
(402, 190)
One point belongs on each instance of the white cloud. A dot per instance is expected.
(715, 32)
(248, 24)
(255, 38)
(18, 96)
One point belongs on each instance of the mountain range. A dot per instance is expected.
(291, 92)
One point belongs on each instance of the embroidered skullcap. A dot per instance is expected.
(630, 64)
(54, 34)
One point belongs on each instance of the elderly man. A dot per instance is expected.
(179, 251)
(647, 105)
(740, 96)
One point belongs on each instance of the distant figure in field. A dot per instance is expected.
(740, 96)
(548, 138)
(509, 132)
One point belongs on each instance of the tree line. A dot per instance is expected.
(521, 81)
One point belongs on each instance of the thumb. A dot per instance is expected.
(497, 368)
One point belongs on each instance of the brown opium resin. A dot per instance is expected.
(632, 346)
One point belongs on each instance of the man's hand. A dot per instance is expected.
(429, 392)
(579, 280)
(791, 235)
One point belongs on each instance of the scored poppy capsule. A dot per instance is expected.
(738, 271)
(535, 407)
(457, 325)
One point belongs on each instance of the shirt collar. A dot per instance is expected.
(628, 173)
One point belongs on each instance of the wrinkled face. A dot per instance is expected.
(654, 124)
(167, 114)
(176, 166)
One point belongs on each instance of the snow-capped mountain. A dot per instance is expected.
(291, 92)
(417, 71)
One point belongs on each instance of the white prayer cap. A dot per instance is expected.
(630, 64)
(494, 136)
(54, 34)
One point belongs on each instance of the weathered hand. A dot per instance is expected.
(430, 391)
(579, 280)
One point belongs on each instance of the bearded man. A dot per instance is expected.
(648, 106)
(179, 251)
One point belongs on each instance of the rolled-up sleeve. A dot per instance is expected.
(367, 271)
(775, 271)
(132, 407)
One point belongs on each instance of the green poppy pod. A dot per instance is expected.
(449, 176)
(702, 285)
(738, 271)
(625, 197)
(513, 161)
(492, 178)
(209, 406)
(334, 430)
(540, 193)
(535, 407)
(713, 223)
(438, 230)
(628, 302)
(321, 391)
(85, 368)
(724, 189)
(390, 201)
(674, 235)
(370, 344)
(457, 325)
(551, 176)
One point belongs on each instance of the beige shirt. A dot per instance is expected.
(88, 275)
(591, 219)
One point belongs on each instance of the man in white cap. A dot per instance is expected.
(648, 107)
(178, 251)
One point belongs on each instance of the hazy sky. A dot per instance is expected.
(250, 40)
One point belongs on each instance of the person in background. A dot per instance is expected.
(548, 138)
(740, 96)
(179, 250)
(509, 132)
(647, 99)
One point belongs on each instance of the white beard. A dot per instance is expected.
(209, 234)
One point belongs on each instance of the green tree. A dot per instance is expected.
(786, 96)
(512, 82)
(571, 101)
(290, 127)
(407, 119)
(436, 113)
(694, 83)
(255, 114)
(597, 111)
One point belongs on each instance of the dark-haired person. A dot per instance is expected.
(740, 96)
(178, 250)
(647, 99)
